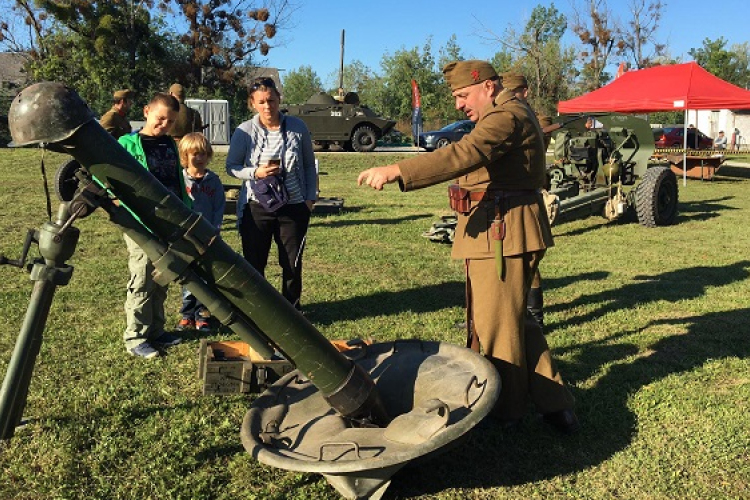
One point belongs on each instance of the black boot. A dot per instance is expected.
(535, 305)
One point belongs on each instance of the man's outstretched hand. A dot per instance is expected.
(377, 177)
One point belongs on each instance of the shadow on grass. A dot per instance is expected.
(418, 300)
(703, 209)
(732, 172)
(563, 281)
(673, 286)
(370, 222)
(493, 458)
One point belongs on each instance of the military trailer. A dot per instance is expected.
(344, 122)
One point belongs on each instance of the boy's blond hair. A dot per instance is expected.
(194, 142)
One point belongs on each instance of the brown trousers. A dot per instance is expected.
(515, 346)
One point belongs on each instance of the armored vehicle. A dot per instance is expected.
(345, 122)
(341, 120)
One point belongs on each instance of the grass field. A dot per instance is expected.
(649, 326)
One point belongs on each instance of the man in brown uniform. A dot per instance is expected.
(517, 84)
(114, 120)
(501, 165)
(188, 119)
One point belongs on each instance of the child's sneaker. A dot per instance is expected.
(144, 350)
(185, 324)
(202, 325)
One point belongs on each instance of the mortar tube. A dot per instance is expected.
(166, 216)
(220, 308)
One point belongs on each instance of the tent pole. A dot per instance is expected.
(684, 149)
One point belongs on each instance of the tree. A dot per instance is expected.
(100, 46)
(537, 53)
(224, 35)
(300, 84)
(599, 39)
(638, 35)
(398, 72)
(21, 25)
(356, 78)
(730, 65)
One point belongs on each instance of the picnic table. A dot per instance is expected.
(697, 167)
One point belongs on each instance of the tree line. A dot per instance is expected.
(209, 46)
(98, 46)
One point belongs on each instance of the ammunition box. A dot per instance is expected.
(233, 367)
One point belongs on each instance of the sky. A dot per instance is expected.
(372, 29)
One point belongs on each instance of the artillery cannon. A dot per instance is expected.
(609, 170)
(356, 419)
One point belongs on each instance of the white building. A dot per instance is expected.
(734, 123)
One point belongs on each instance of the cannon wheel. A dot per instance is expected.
(656, 197)
(364, 139)
(65, 180)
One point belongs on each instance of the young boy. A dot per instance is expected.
(207, 194)
(144, 304)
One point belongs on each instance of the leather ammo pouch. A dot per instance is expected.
(459, 198)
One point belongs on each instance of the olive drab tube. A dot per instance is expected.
(36, 115)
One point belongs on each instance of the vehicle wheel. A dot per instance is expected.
(442, 142)
(66, 182)
(364, 139)
(656, 197)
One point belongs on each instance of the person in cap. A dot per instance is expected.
(188, 119)
(517, 84)
(114, 121)
(502, 234)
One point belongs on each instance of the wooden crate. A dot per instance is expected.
(233, 367)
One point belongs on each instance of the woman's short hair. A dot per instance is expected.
(263, 83)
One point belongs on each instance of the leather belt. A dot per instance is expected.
(490, 195)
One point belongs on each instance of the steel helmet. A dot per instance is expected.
(46, 112)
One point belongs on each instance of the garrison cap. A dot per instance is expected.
(513, 81)
(123, 94)
(177, 90)
(461, 74)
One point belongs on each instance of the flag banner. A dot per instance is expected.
(416, 115)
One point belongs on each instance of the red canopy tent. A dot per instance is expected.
(661, 88)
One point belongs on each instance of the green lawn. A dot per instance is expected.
(650, 328)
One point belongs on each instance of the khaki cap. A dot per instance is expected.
(177, 90)
(123, 94)
(461, 74)
(513, 81)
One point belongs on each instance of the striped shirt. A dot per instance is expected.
(273, 149)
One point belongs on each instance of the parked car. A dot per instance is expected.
(453, 132)
(672, 137)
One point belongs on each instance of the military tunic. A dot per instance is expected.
(116, 124)
(188, 120)
(504, 152)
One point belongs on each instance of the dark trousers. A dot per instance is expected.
(288, 228)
